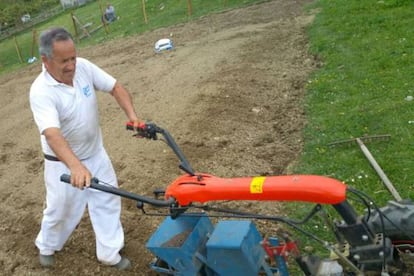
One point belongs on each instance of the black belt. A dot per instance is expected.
(51, 157)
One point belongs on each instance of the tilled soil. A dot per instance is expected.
(230, 94)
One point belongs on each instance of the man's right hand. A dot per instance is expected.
(80, 176)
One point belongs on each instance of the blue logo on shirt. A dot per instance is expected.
(87, 91)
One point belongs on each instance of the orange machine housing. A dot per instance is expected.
(308, 188)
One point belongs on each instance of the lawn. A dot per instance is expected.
(363, 88)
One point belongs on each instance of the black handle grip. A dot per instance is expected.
(65, 178)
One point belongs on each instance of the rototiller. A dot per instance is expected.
(378, 242)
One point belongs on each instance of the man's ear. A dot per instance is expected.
(45, 61)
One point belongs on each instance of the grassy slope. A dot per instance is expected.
(368, 55)
(367, 51)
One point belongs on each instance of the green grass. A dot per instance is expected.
(367, 51)
(160, 13)
(368, 55)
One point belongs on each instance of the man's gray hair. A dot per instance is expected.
(48, 37)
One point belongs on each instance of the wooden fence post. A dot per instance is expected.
(75, 27)
(144, 11)
(34, 42)
(18, 50)
(103, 19)
(189, 7)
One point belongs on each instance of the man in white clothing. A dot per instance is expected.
(64, 106)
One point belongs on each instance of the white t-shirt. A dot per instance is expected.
(72, 109)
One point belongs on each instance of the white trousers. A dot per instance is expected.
(65, 206)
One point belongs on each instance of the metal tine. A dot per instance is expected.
(382, 137)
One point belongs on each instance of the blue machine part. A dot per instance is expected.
(191, 246)
(181, 243)
(234, 248)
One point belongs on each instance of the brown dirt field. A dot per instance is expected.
(230, 94)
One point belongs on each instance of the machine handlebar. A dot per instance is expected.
(95, 184)
(150, 131)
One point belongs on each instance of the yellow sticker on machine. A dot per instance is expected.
(256, 186)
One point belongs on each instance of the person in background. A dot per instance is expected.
(110, 13)
(63, 101)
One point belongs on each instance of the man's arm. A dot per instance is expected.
(80, 175)
(124, 99)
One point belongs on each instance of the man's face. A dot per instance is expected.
(62, 64)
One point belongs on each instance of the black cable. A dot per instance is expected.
(363, 201)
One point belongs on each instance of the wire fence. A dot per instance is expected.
(18, 45)
(19, 41)
(33, 21)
